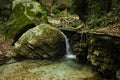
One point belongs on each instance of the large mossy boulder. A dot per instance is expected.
(41, 42)
(30, 9)
(24, 13)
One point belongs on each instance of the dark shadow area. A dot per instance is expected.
(18, 35)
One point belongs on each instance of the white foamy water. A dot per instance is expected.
(69, 53)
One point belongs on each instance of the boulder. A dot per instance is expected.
(24, 13)
(30, 9)
(42, 41)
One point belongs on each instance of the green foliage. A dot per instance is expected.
(69, 6)
(59, 8)
(102, 12)
(13, 27)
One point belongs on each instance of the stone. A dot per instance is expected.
(80, 47)
(28, 8)
(24, 13)
(3, 59)
(118, 74)
(103, 54)
(66, 21)
(47, 70)
(42, 41)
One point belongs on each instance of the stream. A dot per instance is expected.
(66, 68)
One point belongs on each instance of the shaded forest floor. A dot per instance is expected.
(111, 28)
(5, 46)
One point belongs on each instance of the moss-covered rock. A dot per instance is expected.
(80, 46)
(28, 8)
(62, 69)
(104, 54)
(66, 21)
(118, 74)
(25, 13)
(41, 42)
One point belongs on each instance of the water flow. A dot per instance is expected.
(69, 53)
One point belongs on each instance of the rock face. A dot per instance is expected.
(101, 50)
(43, 41)
(80, 46)
(118, 74)
(104, 54)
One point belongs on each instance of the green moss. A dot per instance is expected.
(103, 54)
(59, 8)
(56, 11)
(23, 15)
(16, 26)
(62, 14)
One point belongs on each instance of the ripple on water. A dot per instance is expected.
(63, 69)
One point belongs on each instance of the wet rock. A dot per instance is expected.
(62, 69)
(104, 54)
(80, 47)
(3, 59)
(41, 42)
(66, 21)
(118, 74)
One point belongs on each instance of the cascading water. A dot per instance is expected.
(69, 53)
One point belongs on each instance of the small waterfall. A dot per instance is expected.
(69, 53)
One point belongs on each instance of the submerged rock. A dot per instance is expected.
(40, 42)
(62, 69)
